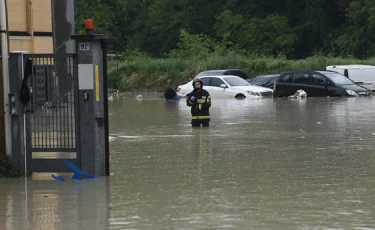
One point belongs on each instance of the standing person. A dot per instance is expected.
(200, 102)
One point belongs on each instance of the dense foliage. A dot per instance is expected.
(290, 28)
(7, 168)
(136, 72)
(166, 42)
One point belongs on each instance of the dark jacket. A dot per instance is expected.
(200, 102)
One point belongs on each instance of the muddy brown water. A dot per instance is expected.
(262, 164)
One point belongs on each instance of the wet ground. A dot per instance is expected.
(263, 164)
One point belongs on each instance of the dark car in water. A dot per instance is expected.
(317, 84)
(264, 80)
(234, 72)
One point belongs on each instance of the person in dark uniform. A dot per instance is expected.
(200, 102)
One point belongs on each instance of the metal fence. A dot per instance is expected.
(53, 106)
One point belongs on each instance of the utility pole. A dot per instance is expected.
(2, 128)
(5, 78)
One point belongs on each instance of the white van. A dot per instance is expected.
(360, 74)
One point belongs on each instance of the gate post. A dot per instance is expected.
(93, 99)
(18, 134)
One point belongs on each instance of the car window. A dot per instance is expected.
(301, 78)
(239, 73)
(286, 78)
(317, 79)
(216, 82)
(210, 73)
(339, 79)
(206, 81)
(236, 81)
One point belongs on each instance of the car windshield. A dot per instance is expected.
(236, 81)
(210, 73)
(339, 79)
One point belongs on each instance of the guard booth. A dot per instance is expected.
(59, 109)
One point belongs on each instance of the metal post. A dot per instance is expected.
(17, 120)
(5, 73)
(92, 100)
(118, 73)
(105, 92)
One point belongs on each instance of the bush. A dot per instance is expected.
(7, 168)
(159, 73)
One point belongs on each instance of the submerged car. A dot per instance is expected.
(234, 72)
(317, 84)
(264, 80)
(226, 86)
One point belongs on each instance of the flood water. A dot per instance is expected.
(262, 164)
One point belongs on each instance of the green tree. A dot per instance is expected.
(97, 11)
(164, 22)
(265, 36)
(359, 32)
(295, 28)
(193, 46)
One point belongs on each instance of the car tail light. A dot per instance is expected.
(178, 89)
(274, 85)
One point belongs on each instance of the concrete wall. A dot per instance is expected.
(30, 26)
(17, 15)
(42, 16)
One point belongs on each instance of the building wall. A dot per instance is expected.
(30, 26)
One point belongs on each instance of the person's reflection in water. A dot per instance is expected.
(171, 105)
(172, 111)
(201, 149)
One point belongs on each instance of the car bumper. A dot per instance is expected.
(266, 94)
(364, 94)
(261, 94)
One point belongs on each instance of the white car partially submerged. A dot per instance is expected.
(226, 86)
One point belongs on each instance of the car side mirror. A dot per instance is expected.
(223, 86)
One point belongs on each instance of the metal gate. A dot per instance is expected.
(52, 129)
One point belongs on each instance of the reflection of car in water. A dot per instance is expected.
(317, 84)
(226, 87)
(234, 72)
(264, 80)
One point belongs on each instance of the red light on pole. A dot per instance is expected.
(89, 26)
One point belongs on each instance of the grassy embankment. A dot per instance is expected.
(147, 73)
